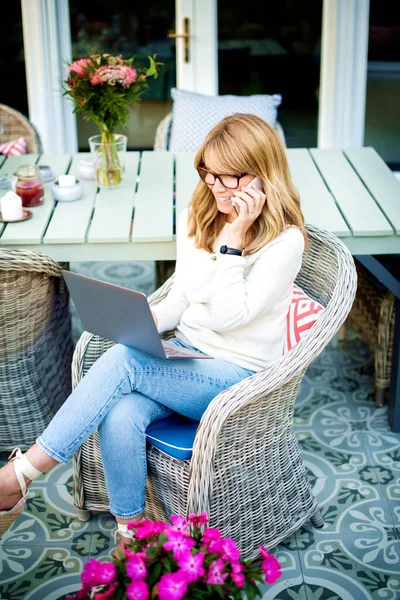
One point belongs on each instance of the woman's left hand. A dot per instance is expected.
(249, 201)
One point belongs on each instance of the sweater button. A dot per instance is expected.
(213, 258)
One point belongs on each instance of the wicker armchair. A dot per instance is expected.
(36, 345)
(372, 316)
(246, 469)
(16, 125)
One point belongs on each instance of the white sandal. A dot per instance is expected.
(22, 467)
(122, 529)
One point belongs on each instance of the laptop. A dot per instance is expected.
(120, 315)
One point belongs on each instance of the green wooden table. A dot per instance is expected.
(349, 192)
(352, 193)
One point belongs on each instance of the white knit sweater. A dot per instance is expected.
(232, 307)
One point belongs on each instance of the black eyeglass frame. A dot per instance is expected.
(218, 176)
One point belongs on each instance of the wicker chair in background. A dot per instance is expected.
(36, 345)
(246, 469)
(16, 125)
(372, 317)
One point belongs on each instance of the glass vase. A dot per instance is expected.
(108, 152)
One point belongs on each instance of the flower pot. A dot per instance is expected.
(108, 151)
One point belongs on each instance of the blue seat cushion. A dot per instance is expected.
(173, 435)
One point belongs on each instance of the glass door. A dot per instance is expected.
(274, 48)
(130, 29)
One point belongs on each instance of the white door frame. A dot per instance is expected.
(47, 45)
(343, 79)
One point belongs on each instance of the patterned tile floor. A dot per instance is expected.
(353, 461)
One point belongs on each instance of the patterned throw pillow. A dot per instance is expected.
(303, 312)
(193, 114)
(14, 148)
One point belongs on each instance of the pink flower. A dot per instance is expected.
(198, 520)
(137, 590)
(270, 566)
(144, 529)
(215, 574)
(79, 66)
(172, 586)
(191, 566)
(131, 554)
(180, 524)
(237, 567)
(130, 76)
(178, 543)
(96, 80)
(211, 534)
(136, 569)
(159, 526)
(214, 546)
(97, 573)
(229, 550)
(238, 579)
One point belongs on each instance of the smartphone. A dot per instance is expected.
(258, 184)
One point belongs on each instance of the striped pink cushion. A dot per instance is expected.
(303, 312)
(14, 148)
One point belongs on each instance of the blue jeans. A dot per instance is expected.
(122, 393)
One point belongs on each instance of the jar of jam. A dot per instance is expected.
(29, 186)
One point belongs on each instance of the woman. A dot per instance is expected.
(240, 247)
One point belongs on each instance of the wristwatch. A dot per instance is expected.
(226, 250)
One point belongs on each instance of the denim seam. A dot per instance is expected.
(126, 515)
(51, 453)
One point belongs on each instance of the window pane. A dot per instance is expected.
(382, 121)
(274, 48)
(130, 29)
(12, 60)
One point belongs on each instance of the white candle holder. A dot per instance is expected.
(68, 193)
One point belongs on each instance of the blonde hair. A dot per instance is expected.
(244, 143)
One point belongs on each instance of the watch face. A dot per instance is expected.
(223, 249)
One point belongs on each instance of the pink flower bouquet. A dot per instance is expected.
(104, 87)
(177, 561)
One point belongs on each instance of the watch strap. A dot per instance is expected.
(226, 250)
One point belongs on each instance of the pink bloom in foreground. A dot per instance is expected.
(97, 573)
(270, 566)
(137, 590)
(215, 575)
(172, 586)
(191, 566)
(136, 569)
(198, 520)
(177, 543)
(144, 528)
(180, 524)
(211, 534)
(238, 579)
(159, 526)
(228, 549)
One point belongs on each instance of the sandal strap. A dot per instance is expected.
(122, 529)
(23, 467)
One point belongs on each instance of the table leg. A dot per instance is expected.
(394, 397)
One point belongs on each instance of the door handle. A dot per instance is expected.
(185, 35)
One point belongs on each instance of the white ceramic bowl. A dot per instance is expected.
(67, 193)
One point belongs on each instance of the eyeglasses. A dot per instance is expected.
(228, 181)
